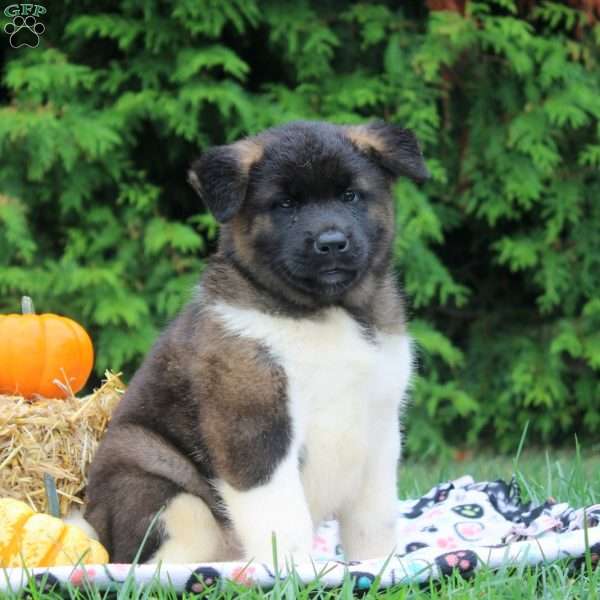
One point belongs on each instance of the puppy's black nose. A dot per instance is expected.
(332, 241)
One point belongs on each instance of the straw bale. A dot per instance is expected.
(52, 436)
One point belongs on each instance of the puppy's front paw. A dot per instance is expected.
(277, 509)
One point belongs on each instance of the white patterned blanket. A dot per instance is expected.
(460, 525)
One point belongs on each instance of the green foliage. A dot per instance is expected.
(499, 253)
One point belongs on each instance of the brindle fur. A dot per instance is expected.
(205, 404)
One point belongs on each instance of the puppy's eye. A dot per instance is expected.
(350, 196)
(285, 204)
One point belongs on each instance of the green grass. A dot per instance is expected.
(572, 477)
(567, 476)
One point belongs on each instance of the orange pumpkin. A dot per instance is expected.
(43, 354)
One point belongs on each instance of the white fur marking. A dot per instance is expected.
(345, 394)
(192, 534)
(76, 518)
(277, 507)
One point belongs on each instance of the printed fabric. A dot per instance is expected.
(457, 526)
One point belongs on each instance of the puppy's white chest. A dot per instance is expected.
(335, 427)
(344, 391)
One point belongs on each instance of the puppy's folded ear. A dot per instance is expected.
(393, 148)
(220, 176)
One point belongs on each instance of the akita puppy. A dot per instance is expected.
(273, 400)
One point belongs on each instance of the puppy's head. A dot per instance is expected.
(306, 207)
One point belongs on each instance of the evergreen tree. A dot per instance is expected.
(499, 253)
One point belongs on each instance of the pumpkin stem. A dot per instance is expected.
(51, 495)
(27, 307)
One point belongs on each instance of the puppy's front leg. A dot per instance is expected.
(278, 507)
(368, 521)
(250, 426)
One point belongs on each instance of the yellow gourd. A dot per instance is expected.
(34, 539)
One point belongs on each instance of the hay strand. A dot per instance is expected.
(57, 437)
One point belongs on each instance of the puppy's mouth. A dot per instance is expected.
(329, 281)
(336, 276)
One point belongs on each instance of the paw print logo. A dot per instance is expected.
(471, 511)
(201, 579)
(244, 575)
(320, 544)
(414, 546)
(469, 531)
(24, 31)
(362, 581)
(46, 583)
(446, 542)
(463, 561)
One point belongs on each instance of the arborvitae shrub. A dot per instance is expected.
(499, 253)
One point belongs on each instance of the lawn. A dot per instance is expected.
(567, 476)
